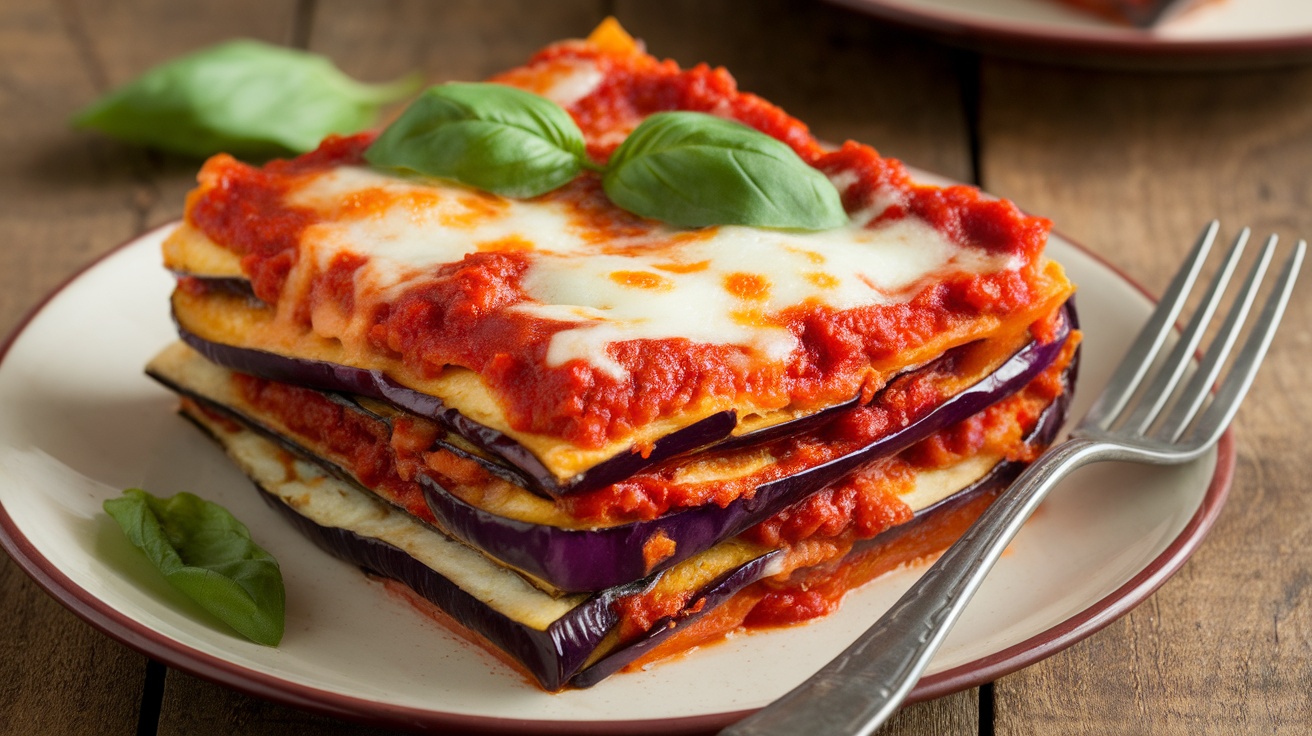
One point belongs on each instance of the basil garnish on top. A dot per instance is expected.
(244, 97)
(205, 552)
(694, 169)
(685, 168)
(488, 136)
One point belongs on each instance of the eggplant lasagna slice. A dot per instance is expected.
(595, 440)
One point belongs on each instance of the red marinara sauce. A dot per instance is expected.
(820, 531)
(462, 315)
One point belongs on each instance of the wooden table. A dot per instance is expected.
(1131, 164)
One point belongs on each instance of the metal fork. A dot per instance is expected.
(1162, 419)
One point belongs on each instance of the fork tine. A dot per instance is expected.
(1193, 395)
(1125, 380)
(1226, 402)
(1173, 367)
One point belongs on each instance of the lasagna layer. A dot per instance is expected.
(594, 439)
(411, 462)
(578, 639)
(581, 333)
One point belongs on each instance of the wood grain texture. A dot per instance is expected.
(194, 707)
(458, 40)
(45, 650)
(1133, 165)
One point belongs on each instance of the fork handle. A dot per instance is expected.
(864, 685)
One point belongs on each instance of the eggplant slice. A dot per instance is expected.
(561, 641)
(227, 325)
(549, 548)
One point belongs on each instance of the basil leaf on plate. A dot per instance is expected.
(205, 552)
(488, 136)
(694, 169)
(244, 97)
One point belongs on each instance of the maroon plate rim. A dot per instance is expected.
(1112, 46)
(152, 644)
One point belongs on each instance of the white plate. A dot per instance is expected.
(81, 422)
(1222, 32)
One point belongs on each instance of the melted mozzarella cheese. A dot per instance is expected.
(572, 81)
(719, 285)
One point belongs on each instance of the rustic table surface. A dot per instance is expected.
(1130, 163)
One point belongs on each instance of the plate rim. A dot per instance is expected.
(1111, 46)
(141, 638)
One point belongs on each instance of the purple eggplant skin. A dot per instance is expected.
(594, 559)
(528, 471)
(714, 594)
(377, 385)
(583, 560)
(235, 285)
(729, 584)
(556, 657)
(579, 560)
(726, 586)
(552, 656)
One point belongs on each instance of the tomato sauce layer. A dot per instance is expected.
(471, 312)
(819, 532)
(382, 457)
(654, 492)
(815, 532)
(769, 604)
(386, 456)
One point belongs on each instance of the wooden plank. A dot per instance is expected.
(194, 706)
(65, 197)
(53, 193)
(460, 40)
(44, 649)
(1133, 165)
(950, 715)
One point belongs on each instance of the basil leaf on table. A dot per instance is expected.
(488, 136)
(244, 97)
(694, 169)
(206, 553)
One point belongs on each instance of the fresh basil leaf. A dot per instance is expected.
(206, 553)
(243, 97)
(488, 136)
(694, 169)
